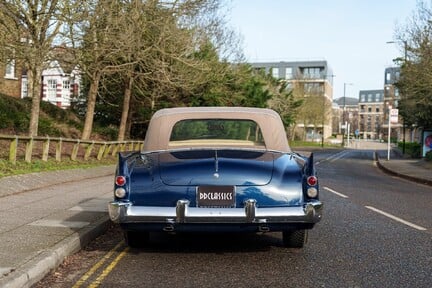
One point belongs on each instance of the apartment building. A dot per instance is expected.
(391, 100)
(348, 115)
(306, 79)
(371, 109)
(391, 93)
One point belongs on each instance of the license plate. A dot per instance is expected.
(216, 196)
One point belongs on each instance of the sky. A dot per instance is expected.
(350, 35)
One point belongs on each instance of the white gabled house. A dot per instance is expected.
(59, 87)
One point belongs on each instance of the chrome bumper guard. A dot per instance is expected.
(125, 212)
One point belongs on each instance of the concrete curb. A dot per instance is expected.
(400, 175)
(34, 271)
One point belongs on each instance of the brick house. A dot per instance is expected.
(10, 79)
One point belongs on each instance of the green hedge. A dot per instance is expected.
(412, 149)
(428, 156)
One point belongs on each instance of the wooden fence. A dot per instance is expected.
(27, 148)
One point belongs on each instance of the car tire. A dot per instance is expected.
(136, 239)
(294, 239)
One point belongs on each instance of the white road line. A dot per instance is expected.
(333, 157)
(337, 156)
(334, 192)
(396, 218)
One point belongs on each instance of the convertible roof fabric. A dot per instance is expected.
(162, 122)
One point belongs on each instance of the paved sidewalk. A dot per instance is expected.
(416, 170)
(47, 216)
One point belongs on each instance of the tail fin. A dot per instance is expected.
(310, 170)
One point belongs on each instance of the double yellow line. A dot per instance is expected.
(104, 272)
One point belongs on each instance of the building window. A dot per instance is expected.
(369, 97)
(275, 72)
(312, 73)
(362, 98)
(52, 89)
(397, 75)
(10, 69)
(288, 73)
(24, 87)
(66, 85)
(388, 76)
(377, 97)
(313, 88)
(377, 110)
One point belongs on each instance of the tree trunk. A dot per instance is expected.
(91, 104)
(34, 89)
(126, 103)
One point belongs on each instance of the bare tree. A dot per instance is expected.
(415, 83)
(163, 44)
(147, 43)
(28, 31)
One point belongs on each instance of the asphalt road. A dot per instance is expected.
(376, 232)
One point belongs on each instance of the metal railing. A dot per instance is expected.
(28, 148)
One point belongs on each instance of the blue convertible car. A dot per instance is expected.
(214, 169)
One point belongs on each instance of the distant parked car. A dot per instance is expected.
(216, 169)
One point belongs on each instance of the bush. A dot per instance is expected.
(413, 149)
(47, 127)
(428, 156)
(109, 132)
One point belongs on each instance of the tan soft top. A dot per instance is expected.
(162, 122)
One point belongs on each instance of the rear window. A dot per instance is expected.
(217, 131)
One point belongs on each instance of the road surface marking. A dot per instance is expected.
(95, 267)
(396, 218)
(334, 192)
(108, 270)
(337, 156)
(334, 157)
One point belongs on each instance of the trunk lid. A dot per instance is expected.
(216, 167)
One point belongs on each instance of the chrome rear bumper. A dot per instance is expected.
(125, 212)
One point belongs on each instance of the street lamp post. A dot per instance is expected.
(344, 122)
(405, 60)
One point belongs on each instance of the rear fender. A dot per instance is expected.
(309, 170)
(126, 161)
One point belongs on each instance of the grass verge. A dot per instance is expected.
(9, 169)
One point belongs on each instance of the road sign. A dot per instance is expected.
(357, 132)
(394, 113)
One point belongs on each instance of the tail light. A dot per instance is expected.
(120, 180)
(312, 180)
(312, 191)
(120, 192)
